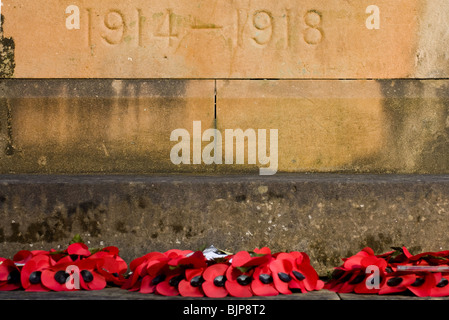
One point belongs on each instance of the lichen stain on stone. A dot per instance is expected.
(50, 230)
(7, 47)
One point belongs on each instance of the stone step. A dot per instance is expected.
(225, 39)
(329, 216)
(80, 126)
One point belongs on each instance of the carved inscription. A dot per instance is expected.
(214, 38)
(114, 22)
(259, 27)
(263, 23)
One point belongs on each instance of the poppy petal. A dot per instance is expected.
(78, 248)
(212, 291)
(187, 290)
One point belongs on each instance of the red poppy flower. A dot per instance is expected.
(161, 273)
(70, 275)
(262, 280)
(238, 282)
(89, 277)
(395, 282)
(243, 259)
(240, 274)
(360, 280)
(77, 251)
(214, 281)
(157, 272)
(111, 266)
(262, 284)
(441, 287)
(352, 276)
(340, 279)
(179, 271)
(23, 256)
(281, 269)
(56, 277)
(354, 262)
(431, 258)
(139, 279)
(292, 271)
(423, 284)
(32, 271)
(194, 260)
(399, 255)
(169, 286)
(191, 286)
(9, 275)
(306, 276)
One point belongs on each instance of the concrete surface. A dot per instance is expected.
(328, 216)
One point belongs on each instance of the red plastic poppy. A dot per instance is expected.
(339, 277)
(151, 275)
(161, 273)
(89, 277)
(194, 260)
(355, 261)
(139, 278)
(306, 277)
(32, 271)
(215, 280)
(293, 272)
(262, 284)
(441, 287)
(157, 273)
(9, 275)
(238, 282)
(432, 258)
(169, 286)
(191, 286)
(243, 259)
(423, 284)
(23, 256)
(69, 275)
(57, 278)
(396, 282)
(364, 280)
(77, 251)
(352, 276)
(111, 266)
(179, 271)
(281, 269)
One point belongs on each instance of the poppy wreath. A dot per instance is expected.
(398, 271)
(41, 270)
(217, 274)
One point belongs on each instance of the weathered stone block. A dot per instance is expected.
(126, 126)
(344, 126)
(222, 39)
(97, 126)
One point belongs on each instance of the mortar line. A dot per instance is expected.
(9, 143)
(215, 101)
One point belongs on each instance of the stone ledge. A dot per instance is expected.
(114, 294)
(328, 216)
